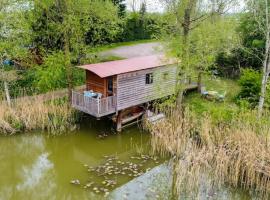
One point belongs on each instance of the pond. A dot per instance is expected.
(34, 166)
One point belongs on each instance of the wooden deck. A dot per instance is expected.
(191, 87)
(93, 106)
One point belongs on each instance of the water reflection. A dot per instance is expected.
(33, 176)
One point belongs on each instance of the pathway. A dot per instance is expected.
(145, 49)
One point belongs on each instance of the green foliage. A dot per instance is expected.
(51, 74)
(253, 40)
(228, 63)
(14, 30)
(139, 26)
(250, 82)
(103, 24)
(205, 43)
(250, 53)
(121, 7)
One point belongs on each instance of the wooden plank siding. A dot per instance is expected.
(95, 83)
(132, 88)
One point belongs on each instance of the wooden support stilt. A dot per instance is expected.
(119, 122)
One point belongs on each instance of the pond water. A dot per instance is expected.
(34, 166)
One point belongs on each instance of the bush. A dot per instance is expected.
(51, 74)
(250, 82)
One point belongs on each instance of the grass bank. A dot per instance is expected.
(220, 111)
(33, 113)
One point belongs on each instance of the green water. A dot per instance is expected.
(34, 166)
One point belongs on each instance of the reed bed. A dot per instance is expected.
(34, 113)
(235, 153)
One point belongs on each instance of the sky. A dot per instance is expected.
(157, 6)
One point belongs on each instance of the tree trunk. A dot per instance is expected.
(185, 42)
(200, 82)
(185, 46)
(266, 67)
(266, 63)
(69, 73)
(263, 92)
(7, 93)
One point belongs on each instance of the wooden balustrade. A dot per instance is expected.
(93, 106)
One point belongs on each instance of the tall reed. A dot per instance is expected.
(33, 113)
(237, 152)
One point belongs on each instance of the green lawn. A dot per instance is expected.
(219, 110)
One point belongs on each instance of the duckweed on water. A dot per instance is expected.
(113, 170)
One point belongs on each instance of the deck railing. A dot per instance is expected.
(93, 106)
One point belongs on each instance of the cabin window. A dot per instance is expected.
(165, 76)
(149, 78)
(110, 85)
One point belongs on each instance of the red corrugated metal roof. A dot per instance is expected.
(111, 68)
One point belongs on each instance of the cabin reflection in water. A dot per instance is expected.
(122, 88)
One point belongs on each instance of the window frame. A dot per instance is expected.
(149, 78)
(110, 85)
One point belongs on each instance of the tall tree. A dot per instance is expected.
(265, 26)
(189, 14)
(14, 38)
(121, 5)
(142, 19)
(70, 21)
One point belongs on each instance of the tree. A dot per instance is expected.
(121, 7)
(266, 63)
(258, 23)
(189, 15)
(14, 37)
(71, 22)
(142, 19)
(100, 24)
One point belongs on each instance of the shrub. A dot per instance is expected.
(51, 74)
(250, 82)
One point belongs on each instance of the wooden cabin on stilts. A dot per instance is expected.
(120, 89)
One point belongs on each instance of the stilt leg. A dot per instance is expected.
(119, 122)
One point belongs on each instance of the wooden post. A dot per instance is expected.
(119, 122)
(7, 93)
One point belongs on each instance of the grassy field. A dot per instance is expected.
(219, 110)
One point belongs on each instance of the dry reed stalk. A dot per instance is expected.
(237, 153)
(34, 113)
